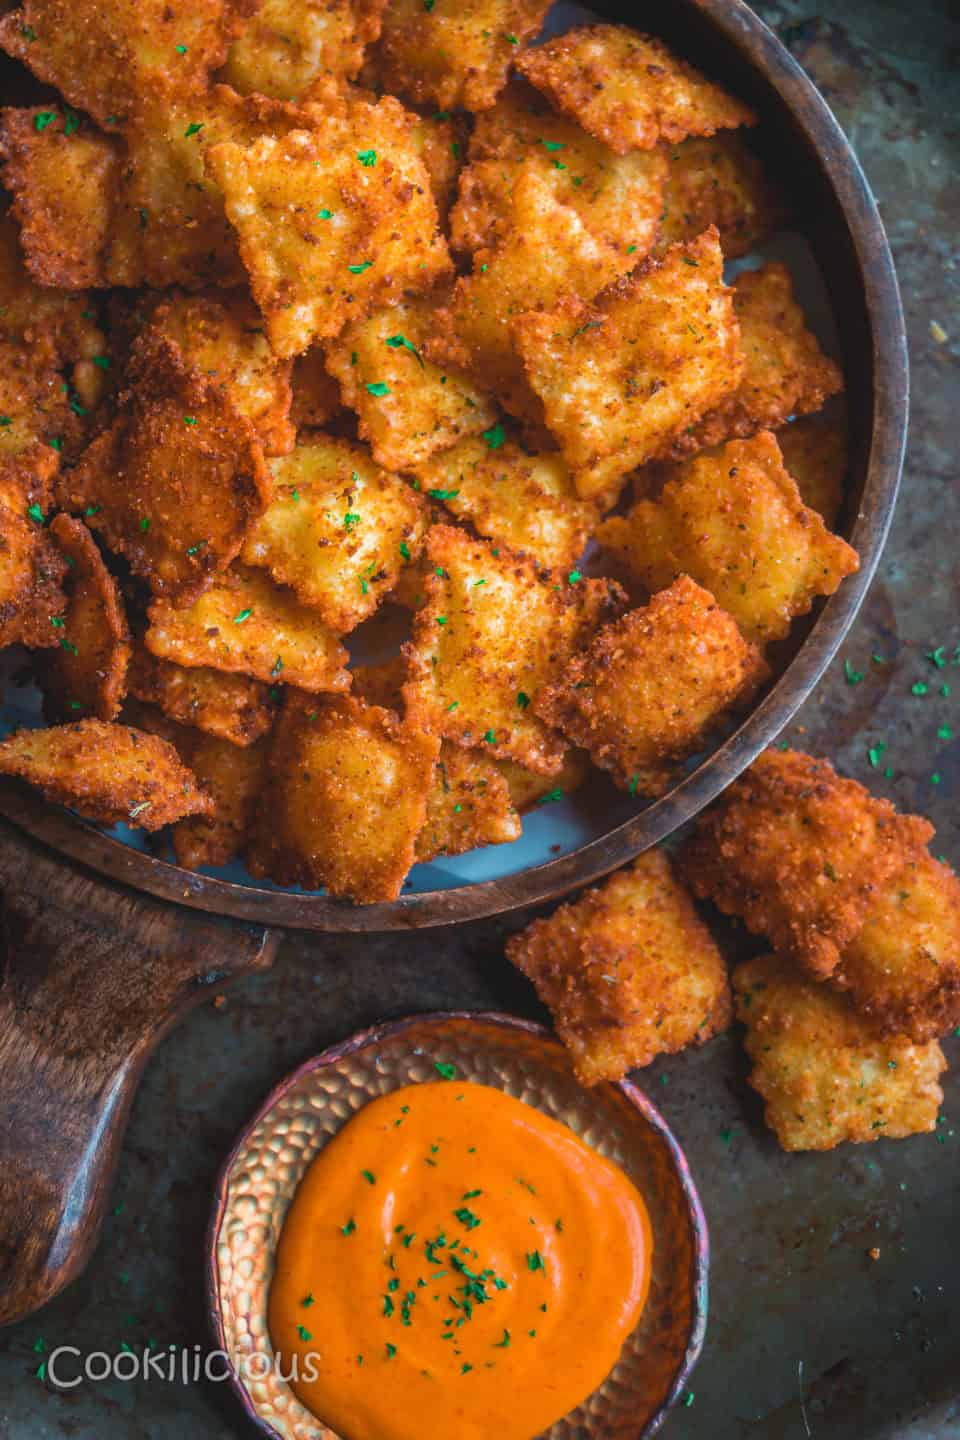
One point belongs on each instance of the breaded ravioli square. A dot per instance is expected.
(65, 184)
(785, 371)
(32, 568)
(827, 1074)
(408, 406)
(222, 336)
(815, 451)
(903, 968)
(628, 971)
(331, 220)
(448, 54)
(544, 255)
(176, 480)
(720, 181)
(108, 773)
(618, 198)
(648, 689)
(733, 519)
(346, 798)
(228, 707)
(511, 494)
(492, 631)
(621, 377)
(288, 43)
(105, 55)
(801, 855)
(231, 775)
(629, 89)
(468, 805)
(245, 624)
(86, 674)
(338, 531)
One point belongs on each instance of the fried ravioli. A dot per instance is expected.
(801, 855)
(649, 688)
(109, 774)
(492, 631)
(86, 674)
(628, 971)
(621, 377)
(826, 1074)
(733, 519)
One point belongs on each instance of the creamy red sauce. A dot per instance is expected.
(456, 1264)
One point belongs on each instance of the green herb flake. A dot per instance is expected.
(193, 129)
(369, 1176)
(378, 388)
(145, 524)
(324, 214)
(307, 1301)
(490, 738)
(523, 699)
(919, 688)
(367, 158)
(180, 49)
(494, 436)
(304, 1333)
(574, 577)
(874, 753)
(189, 419)
(36, 514)
(391, 1350)
(937, 657)
(404, 549)
(71, 122)
(350, 519)
(448, 1072)
(535, 1261)
(400, 342)
(467, 1218)
(852, 676)
(443, 494)
(504, 1343)
(359, 269)
(42, 119)
(242, 615)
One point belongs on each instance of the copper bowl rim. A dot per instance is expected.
(377, 1034)
(737, 28)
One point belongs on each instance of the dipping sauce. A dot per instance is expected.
(458, 1265)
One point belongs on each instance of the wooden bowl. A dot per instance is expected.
(263, 1170)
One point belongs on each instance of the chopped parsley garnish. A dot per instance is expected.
(378, 388)
(193, 129)
(494, 436)
(634, 782)
(180, 49)
(447, 1072)
(277, 667)
(324, 214)
(189, 419)
(574, 576)
(404, 549)
(523, 700)
(307, 1301)
(304, 1333)
(920, 688)
(242, 615)
(443, 494)
(367, 158)
(852, 676)
(551, 797)
(42, 119)
(391, 1350)
(145, 524)
(369, 1176)
(350, 519)
(467, 1218)
(502, 1344)
(36, 514)
(535, 1261)
(400, 342)
(490, 738)
(359, 269)
(71, 122)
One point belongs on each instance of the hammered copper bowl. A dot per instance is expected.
(266, 1165)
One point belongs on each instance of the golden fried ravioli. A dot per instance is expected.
(86, 674)
(245, 624)
(801, 855)
(346, 798)
(649, 688)
(785, 372)
(620, 378)
(108, 773)
(507, 493)
(628, 971)
(733, 519)
(903, 968)
(827, 1074)
(450, 54)
(815, 452)
(338, 531)
(408, 407)
(719, 181)
(492, 631)
(228, 707)
(629, 89)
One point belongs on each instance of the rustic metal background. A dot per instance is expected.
(808, 1335)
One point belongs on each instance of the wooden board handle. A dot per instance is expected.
(92, 977)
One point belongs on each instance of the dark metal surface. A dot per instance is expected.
(799, 1312)
(837, 216)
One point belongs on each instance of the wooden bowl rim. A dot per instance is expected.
(375, 1035)
(737, 26)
